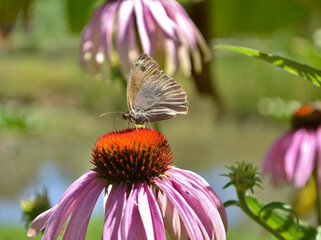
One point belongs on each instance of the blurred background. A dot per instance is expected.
(50, 107)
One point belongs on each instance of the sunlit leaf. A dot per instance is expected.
(279, 205)
(302, 70)
(281, 221)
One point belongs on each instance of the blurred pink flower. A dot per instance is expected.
(145, 197)
(121, 30)
(294, 156)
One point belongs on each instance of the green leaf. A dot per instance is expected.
(302, 70)
(287, 225)
(79, 13)
(231, 203)
(279, 205)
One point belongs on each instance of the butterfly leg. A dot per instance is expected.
(150, 124)
(114, 122)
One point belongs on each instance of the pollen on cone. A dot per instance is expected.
(131, 155)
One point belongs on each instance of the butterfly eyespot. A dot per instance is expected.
(143, 68)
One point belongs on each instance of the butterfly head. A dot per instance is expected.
(136, 117)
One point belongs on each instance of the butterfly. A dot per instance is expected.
(151, 95)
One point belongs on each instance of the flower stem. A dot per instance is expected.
(318, 200)
(247, 210)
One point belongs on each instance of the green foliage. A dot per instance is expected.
(236, 16)
(302, 70)
(79, 13)
(281, 221)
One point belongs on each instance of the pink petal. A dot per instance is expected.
(319, 154)
(87, 42)
(202, 204)
(306, 160)
(114, 208)
(159, 14)
(40, 222)
(132, 226)
(149, 210)
(171, 56)
(186, 213)
(144, 211)
(67, 204)
(107, 26)
(201, 185)
(173, 225)
(92, 42)
(77, 226)
(292, 154)
(181, 18)
(144, 38)
(126, 38)
(150, 27)
(275, 159)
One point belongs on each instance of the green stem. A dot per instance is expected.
(247, 210)
(318, 200)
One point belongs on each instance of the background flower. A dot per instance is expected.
(145, 198)
(295, 155)
(121, 30)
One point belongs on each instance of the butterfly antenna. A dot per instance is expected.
(107, 113)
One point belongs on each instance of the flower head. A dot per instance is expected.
(294, 156)
(243, 177)
(33, 206)
(146, 198)
(121, 29)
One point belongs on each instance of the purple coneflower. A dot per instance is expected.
(160, 28)
(145, 197)
(294, 156)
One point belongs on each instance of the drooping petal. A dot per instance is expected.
(40, 222)
(159, 14)
(148, 207)
(91, 47)
(199, 38)
(306, 160)
(275, 159)
(78, 223)
(171, 56)
(141, 25)
(318, 135)
(177, 13)
(173, 224)
(292, 153)
(195, 181)
(87, 38)
(184, 59)
(150, 25)
(201, 201)
(126, 37)
(114, 208)
(132, 226)
(186, 213)
(67, 204)
(107, 26)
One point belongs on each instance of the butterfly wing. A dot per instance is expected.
(161, 98)
(143, 69)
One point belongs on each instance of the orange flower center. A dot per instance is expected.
(308, 116)
(131, 155)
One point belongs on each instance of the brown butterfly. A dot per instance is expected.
(151, 95)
